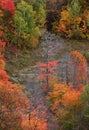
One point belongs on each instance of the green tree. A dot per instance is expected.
(40, 16)
(75, 9)
(29, 18)
(39, 6)
(25, 25)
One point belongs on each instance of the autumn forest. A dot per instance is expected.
(44, 64)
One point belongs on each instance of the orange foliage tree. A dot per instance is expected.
(79, 70)
(74, 21)
(66, 105)
(35, 121)
(13, 102)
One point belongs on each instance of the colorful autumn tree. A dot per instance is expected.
(35, 121)
(46, 71)
(13, 102)
(79, 69)
(66, 105)
(8, 5)
(73, 22)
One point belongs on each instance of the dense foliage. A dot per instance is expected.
(22, 22)
(28, 21)
(74, 20)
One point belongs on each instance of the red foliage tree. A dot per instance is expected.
(46, 70)
(8, 5)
